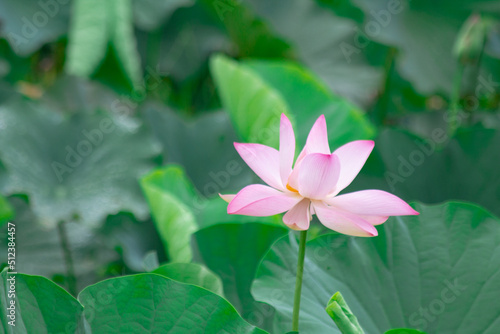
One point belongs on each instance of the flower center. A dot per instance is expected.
(289, 187)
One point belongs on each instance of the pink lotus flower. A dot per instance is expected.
(312, 185)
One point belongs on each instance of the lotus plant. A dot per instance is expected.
(312, 186)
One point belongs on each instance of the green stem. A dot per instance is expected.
(68, 260)
(298, 281)
(455, 100)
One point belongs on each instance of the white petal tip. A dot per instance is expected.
(228, 198)
(295, 227)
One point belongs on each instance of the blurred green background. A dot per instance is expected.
(113, 112)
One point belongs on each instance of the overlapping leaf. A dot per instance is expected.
(40, 306)
(97, 25)
(150, 303)
(191, 273)
(172, 199)
(27, 25)
(233, 252)
(85, 166)
(422, 169)
(436, 272)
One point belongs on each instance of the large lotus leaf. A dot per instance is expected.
(233, 252)
(28, 25)
(95, 25)
(466, 168)
(437, 272)
(319, 37)
(251, 35)
(308, 97)
(151, 303)
(84, 166)
(74, 94)
(191, 273)
(41, 306)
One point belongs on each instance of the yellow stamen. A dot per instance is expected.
(289, 187)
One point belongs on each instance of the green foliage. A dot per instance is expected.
(255, 108)
(251, 35)
(233, 252)
(39, 251)
(182, 49)
(97, 25)
(150, 14)
(51, 158)
(40, 306)
(208, 138)
(171, 198)
(191, 273)
(197, 76)
(28, 26)
(429, 68)
(6, 210)
(287, 88)
(308, 98)
(179, 210)
(150, 303)
(320, 39)
(471, 38)
(410, 167)
(404, 331)
(422, 271)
